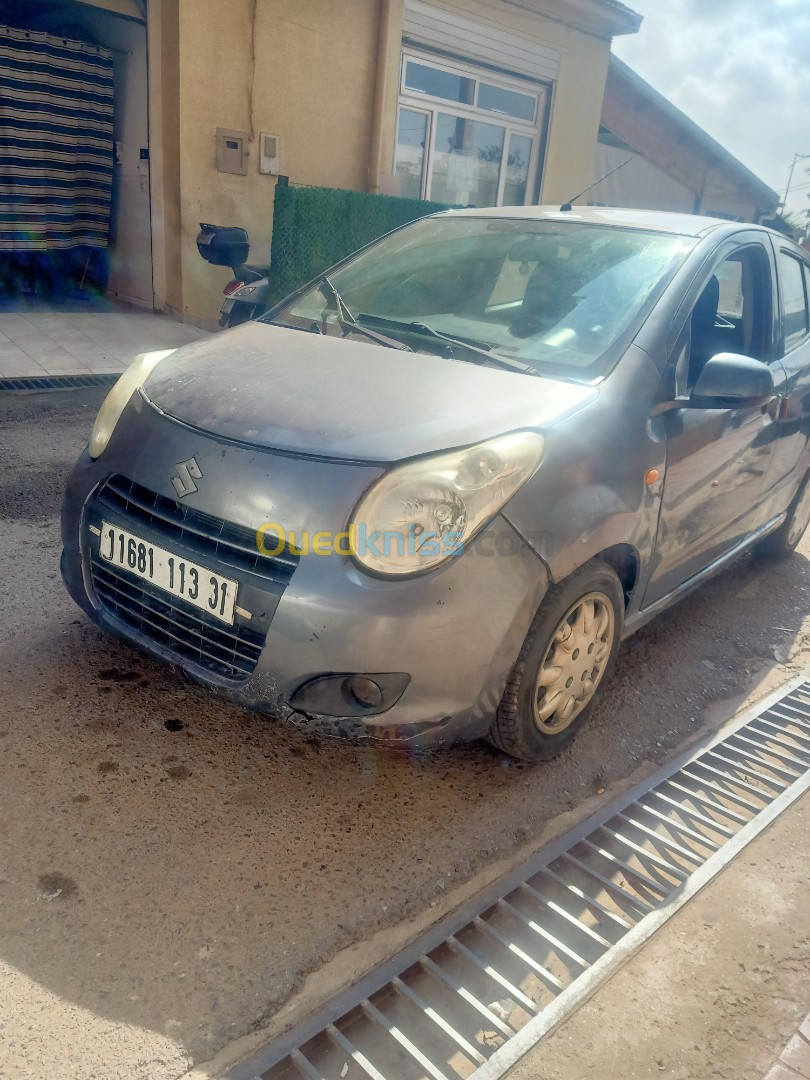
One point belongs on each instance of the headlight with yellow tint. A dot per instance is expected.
(116, 401)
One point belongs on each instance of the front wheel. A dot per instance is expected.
(784, 541)
(556, 682)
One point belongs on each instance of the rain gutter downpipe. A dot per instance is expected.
(380, 87)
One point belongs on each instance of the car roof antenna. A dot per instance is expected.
(567, 207)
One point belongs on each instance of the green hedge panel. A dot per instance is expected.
(313, 228)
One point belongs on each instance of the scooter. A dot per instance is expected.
(247, 294)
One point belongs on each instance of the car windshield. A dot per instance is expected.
(557, 296)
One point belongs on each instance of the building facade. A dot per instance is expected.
(459, 101)
(674, 164)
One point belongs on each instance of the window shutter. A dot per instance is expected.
(470, 39)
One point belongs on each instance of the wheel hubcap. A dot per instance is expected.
(801, 516)
(574, 663)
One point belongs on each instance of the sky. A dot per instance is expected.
(738, 68)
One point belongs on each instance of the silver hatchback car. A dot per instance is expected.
(426, 497)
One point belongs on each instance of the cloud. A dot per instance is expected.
(740, 69)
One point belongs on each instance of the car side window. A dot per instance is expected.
(732, 314)
(795, 309)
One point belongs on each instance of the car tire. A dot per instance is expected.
(580, 618)
(781, 543)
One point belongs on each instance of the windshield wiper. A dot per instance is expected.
(310, 328)
(348, 323)
(479, 348)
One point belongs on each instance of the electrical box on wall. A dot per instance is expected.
(233, 151)
(269, 153)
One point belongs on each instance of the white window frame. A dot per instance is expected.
(432, 106)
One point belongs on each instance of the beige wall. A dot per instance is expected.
(313, 86)
(307, 70)
(164, 152)
(575, 112)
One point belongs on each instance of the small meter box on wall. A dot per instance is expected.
(269, 154)
(233, 151)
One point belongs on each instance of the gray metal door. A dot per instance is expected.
(717, 459)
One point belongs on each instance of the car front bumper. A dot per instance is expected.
(455, 631)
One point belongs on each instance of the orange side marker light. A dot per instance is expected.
(652, 476)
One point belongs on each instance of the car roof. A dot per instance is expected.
(649, 220)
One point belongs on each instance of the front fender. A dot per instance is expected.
(592, 490)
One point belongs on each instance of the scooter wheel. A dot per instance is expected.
(239, 313)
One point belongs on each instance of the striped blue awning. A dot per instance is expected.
(56, 142)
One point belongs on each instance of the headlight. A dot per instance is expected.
(115, 402)
(421, 514)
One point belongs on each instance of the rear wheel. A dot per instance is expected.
(556, 682)
(240, 313)
(784, 541)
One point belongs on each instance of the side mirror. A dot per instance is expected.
(729, 380)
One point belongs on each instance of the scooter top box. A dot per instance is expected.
(223, 246)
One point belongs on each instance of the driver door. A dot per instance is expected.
(716, 459)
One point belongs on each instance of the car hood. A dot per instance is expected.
(348, 398)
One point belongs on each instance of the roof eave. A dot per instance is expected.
(768, 196)
(605, 19)
(629, 21)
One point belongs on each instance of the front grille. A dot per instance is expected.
(233, 545)
(231, 652)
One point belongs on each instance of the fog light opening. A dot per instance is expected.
(350, 693)
(363, 692)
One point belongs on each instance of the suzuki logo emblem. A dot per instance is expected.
(187, 473)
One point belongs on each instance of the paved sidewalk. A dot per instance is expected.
(794, 1061)
(38, 344)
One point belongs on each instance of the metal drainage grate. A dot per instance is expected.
(476, 992)
(56, 382)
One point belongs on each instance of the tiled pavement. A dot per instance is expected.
(794, 1061)
(38, 344)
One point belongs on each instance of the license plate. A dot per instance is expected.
(170, 572)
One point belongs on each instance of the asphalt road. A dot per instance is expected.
(171, 867)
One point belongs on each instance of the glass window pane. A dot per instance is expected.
(730, 277)
(409, 162)
(466, 162)
(794, 302)
(517, 170)
(509, 102)
(559, 295)
(440, 84)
